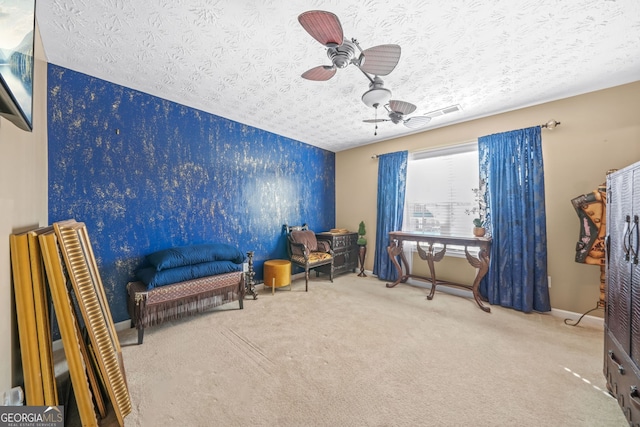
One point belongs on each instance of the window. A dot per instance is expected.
(439, 194)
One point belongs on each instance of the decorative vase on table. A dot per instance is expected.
(362, 244)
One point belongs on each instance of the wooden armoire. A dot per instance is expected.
(622, 304)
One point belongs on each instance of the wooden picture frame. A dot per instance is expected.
(26, 317)
(43, 325)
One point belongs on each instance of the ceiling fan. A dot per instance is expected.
(325, 27)
(396, 111)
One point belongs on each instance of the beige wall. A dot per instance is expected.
(23, 205)
(599, 131)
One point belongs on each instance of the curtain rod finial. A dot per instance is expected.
(551, 124)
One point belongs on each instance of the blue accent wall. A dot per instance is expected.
(145, 174)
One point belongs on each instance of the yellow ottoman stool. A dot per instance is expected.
(277, 274)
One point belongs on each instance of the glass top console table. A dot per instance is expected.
(429, 252)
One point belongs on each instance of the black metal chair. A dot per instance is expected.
(309, 252)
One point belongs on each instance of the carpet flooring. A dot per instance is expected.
(355, 353)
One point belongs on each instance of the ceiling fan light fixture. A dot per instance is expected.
(376, 97)
(417, 122)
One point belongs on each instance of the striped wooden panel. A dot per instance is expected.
(100, 293)
(90, 296)
(69, 330)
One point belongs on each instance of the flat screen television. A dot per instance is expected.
(17, 24)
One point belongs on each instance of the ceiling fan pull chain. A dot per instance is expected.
(375, 132)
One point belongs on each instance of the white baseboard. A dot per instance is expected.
(587, 320)
(592, 321)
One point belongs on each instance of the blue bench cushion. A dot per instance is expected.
(194, 254)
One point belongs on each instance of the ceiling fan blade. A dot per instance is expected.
(380, 60)
(376, 120)
(402, 107)
(417, 122)
(320, 73)
(322, 26)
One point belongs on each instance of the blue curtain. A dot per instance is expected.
(392, 183)
(512, 169)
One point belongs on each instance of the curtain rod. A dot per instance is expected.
(551, 124)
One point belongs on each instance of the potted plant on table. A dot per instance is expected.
(480, 210)
(478, 227)
(362, 243)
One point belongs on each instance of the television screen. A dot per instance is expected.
(17, 21)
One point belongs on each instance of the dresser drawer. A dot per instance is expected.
(623, 379)
(344, 241)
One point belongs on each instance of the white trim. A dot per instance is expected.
(465, 147)
(590, 321)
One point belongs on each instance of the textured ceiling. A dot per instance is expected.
(242, 59)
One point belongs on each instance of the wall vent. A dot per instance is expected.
(443, 111)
